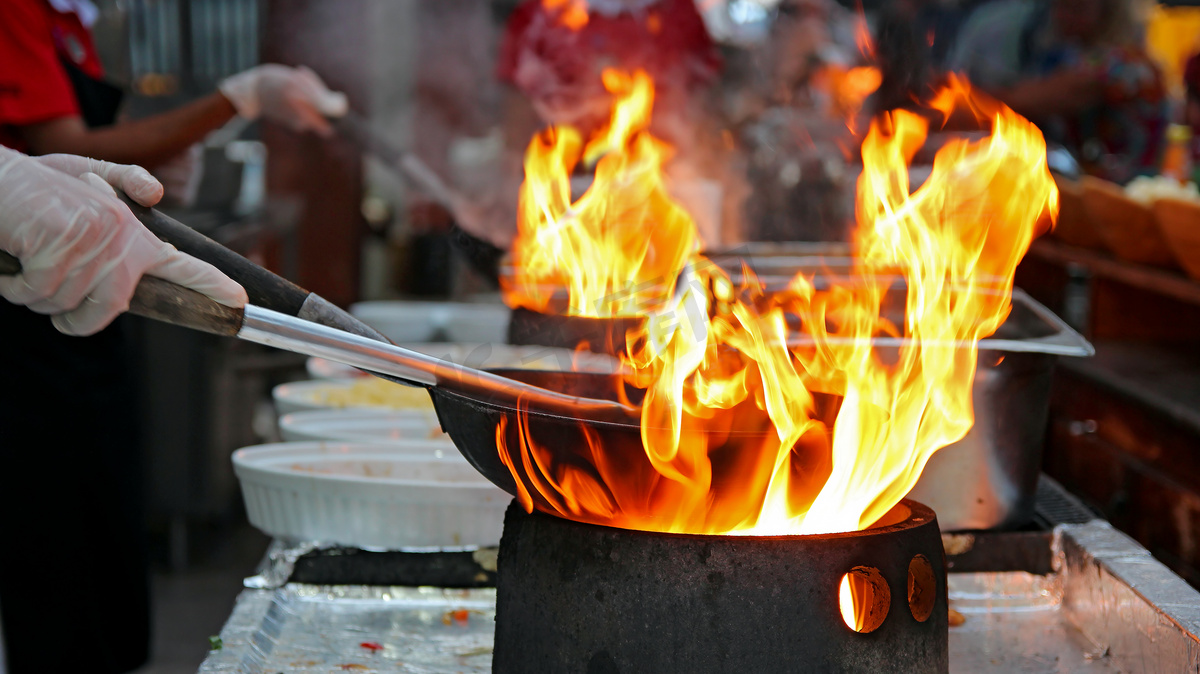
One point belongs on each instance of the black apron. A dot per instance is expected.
(74, 591)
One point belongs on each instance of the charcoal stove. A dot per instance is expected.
(574, 597)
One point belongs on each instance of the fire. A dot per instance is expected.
(849, 88)
(571, 13)
(810, 410)
(624, 233)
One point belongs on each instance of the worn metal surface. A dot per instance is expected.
(1013, 623)
(576, 597)
(1144, 616)
(302, 629)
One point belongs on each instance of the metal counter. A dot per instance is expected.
(1100, 604)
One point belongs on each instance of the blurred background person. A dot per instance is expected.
(1077, 69)
(1191, 110)
(455, 101)
(550, 61)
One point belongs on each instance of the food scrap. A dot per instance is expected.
(460, 616)
(354, 668)
(373, 646)
(956, 618)
(215, 643)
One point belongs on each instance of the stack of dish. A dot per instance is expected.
(365, 462)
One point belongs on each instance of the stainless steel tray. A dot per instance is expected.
(310, 628)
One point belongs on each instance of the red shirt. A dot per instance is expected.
(34, 41)
(666, 39)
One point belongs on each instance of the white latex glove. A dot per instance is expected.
(82, 252)
(294, 97)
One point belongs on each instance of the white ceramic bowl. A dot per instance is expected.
(304, 396)
(369, 496)
(402, 321)
(477, 323)
(361, 426)
(405, 321)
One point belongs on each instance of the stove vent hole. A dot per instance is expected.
(922, 588)
(864, 598)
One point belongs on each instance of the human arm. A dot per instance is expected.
(295, 97)
(1066, 91)
(150, 141)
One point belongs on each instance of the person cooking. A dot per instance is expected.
(71, 492)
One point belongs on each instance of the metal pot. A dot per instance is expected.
(988, 479)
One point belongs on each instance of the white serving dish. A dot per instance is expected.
(369, 496)
(361, 426)
(477, 323)
(406, 321)
(305, 396)
(402, 321)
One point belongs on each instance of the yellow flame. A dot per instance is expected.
(847, 605)
(774, 413)
(571, 13)
(848, 89)
(619, 245)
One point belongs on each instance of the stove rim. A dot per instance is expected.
(919, 515)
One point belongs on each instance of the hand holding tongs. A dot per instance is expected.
(288, 329)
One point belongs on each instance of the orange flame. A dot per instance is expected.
(813, 409)
(571, 13)
(624, 233)
(849, 88)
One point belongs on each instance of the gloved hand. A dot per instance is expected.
(294, 97)
(82, 252)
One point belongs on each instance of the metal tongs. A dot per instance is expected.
(307, 324)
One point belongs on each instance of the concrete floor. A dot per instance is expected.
(191, 605)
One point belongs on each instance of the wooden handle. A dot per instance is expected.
(167, 302)
(264, 288)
